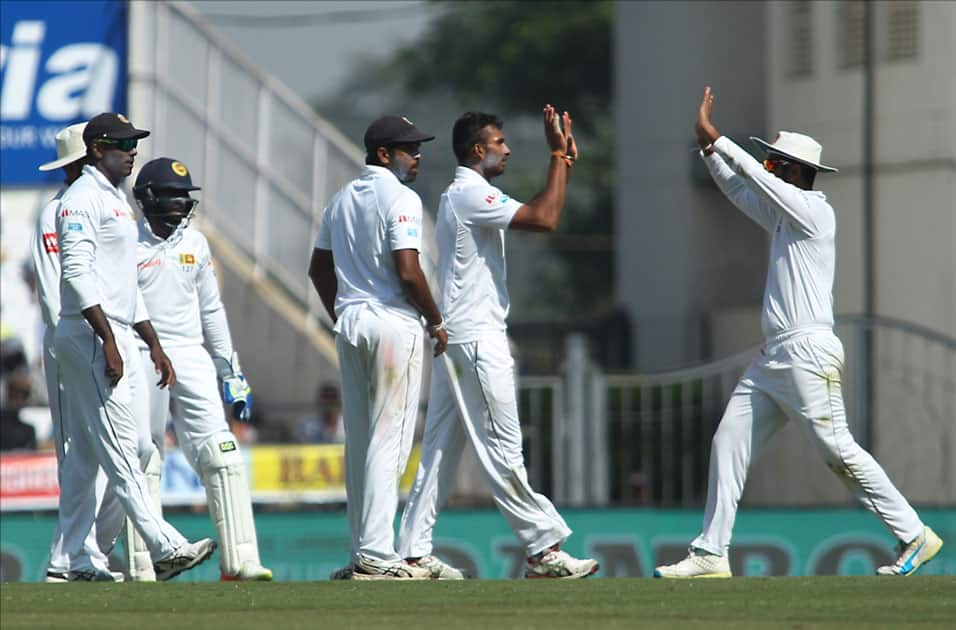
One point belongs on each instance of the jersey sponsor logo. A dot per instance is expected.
(226, 447)
(404, 218)
(50, 243)
(490, 199)
(187, 259)
(504, 198)
(74, 213)
(155, 262)
(74, 227)
(412, 232)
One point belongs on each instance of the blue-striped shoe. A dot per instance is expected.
(914, 554)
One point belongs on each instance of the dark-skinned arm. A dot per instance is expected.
(322, 274)
(415, 287)
(542, 213)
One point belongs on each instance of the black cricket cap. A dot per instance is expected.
(389, 130)
(111, 125)
(164, 173)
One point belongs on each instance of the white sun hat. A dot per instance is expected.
(69, 147)
(798, 147)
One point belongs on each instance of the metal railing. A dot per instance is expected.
(644, 439)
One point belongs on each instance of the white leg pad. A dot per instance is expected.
(223, 473)
(139, 564)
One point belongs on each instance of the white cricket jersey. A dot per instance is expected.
(178, 281)
(96, 233)
(472, 276)
(799, 290)
(368, 219)
(46, 261)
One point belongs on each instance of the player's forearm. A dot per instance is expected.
(322, 275)
(215, 328)
(550, 201)
(415, 287)
(147, 333)
(98, 322)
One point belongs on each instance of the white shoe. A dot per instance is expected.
(250, 572)
(697, 564)
(914, 554)
(369, 569)
(439, 569)
(188, 556)
(555, 563)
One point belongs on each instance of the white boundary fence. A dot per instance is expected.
(644, 439)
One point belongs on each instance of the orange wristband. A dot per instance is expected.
(567, 158)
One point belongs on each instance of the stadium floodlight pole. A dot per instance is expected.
(869, 224)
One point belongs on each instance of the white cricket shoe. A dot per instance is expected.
(250, 572)
(439, 569)
(188, 556)
(370, 569)
(914, 554)
(697, 564)
(557, 564)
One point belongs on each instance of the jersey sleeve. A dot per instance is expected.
(324, 238)
(212, 313)
(77, 223)
(486, 206)
(46, 262)
(403, 222)
(736, 190)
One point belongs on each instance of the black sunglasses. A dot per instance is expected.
(126, 144)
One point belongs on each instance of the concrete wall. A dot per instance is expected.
(685, 255)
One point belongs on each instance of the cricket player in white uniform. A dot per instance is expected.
(798, 374)
(178, 281)
(71, 156)
(473, 394)
(98, 359)
(365, 267)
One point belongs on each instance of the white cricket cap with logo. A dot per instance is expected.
(797, 147)
(69, 147)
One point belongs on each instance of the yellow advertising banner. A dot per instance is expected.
(317, 471)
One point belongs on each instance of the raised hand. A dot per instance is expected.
(552, 130)
(705, 130)
(572, 148)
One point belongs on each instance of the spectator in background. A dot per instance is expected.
(326, 427)
(14, 433)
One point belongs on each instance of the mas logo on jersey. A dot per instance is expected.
(490, 199)
(227, 447)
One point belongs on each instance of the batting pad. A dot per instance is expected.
(139, 564)
(230, 506)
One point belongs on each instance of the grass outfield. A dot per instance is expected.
(815, 602)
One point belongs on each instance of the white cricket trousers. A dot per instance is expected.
(193, 404)
(794, 378)
(107, 508)
(489, 421)
(381, 383)
(103, 432)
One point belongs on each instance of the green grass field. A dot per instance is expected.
(815, 602)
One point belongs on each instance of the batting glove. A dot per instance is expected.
(235, 389)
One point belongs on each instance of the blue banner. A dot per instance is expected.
(63, 62)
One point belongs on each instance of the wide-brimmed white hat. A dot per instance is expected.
(69, 147)
(797, 147)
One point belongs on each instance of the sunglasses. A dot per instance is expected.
(774, 163)
(126, 144)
